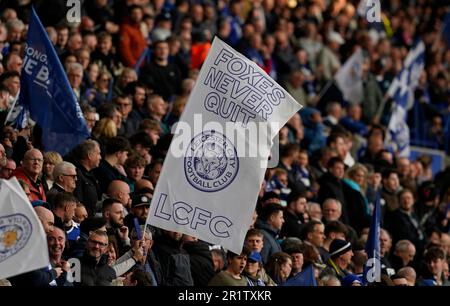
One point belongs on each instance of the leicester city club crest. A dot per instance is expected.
(15, 230)
(211, 162)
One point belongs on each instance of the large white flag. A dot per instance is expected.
(211, 176)
(349, 78)
(23, 244)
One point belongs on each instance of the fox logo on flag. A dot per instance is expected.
(23, 244)
(209, 182)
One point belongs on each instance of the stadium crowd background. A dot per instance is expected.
(132, 65)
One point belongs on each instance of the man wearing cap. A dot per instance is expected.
(340, 257)
(140, 204)
(252, 270)
(328, 58)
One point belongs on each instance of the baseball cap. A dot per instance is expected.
(139, 200)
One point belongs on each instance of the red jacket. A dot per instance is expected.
(132, 43)
(36, 188)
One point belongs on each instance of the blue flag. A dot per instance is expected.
(402, 92)
(304, 278)
(372, 268)
(46, 93)
(446, 29)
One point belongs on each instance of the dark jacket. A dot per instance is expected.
(202, 266)
(77, 248)
(106, 173)
(331, 187)
(175, 262)
(87, 190)
(36, 278)
(356, 208)
(294, 181)
(96, 274)
(292, 225)
(404, 226)
(270, 235)
(51, 194)
(165, 80)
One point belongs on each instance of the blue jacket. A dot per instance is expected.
(270, 235)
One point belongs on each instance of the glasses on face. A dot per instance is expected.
(36, 160)
(100, 244)
(71, 175)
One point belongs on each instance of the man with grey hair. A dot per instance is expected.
(385, 249)
(15, 28)
(88, 156)
(94, 262)
(314, 211)
(329, 280)
(75, 76)
(404, 253)
(142, 255)
(65, 178)
(332, 210)
(409, 274)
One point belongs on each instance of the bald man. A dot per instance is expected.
(46, 217)
(409, 274)
(30, 172)
(120, 191)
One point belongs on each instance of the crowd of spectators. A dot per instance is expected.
(132, 65)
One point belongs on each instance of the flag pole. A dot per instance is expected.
(324, 89)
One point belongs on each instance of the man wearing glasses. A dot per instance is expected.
(7, 171)
(65, 180)
(30, 173)
(95, 269)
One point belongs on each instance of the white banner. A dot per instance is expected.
(349, 78)
(23, 244)
(211, 176)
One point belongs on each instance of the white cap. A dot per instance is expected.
(335, 37)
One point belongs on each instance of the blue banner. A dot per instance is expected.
(46, 93)
(446, 29)
(304, 278)
(372, 268)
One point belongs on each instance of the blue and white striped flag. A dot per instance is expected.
(402, 92)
